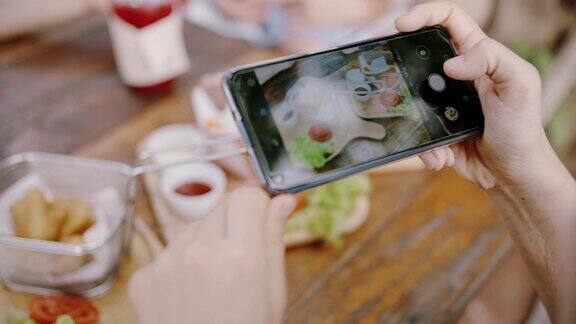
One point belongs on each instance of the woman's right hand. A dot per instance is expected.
(513, 144)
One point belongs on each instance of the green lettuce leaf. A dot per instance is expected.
(310, 153)
(65, 319)
(14, 317)
(327, 206)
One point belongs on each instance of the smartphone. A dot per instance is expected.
(314, 118)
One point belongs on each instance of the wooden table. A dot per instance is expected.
(430, 241)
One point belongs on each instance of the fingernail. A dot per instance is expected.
(399, 22)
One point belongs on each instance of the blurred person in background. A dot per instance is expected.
(307, 25)
(303, 18)
(18, 17)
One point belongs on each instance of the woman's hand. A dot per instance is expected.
(514, 142)
(228, 268)
(528, 183)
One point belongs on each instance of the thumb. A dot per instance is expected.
(492, 59)
(279, 209)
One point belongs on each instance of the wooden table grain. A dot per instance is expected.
(430, 241)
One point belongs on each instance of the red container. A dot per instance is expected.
(141, 14)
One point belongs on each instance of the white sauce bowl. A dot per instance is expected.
(193, 207)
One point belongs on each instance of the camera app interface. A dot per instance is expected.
(339, 109)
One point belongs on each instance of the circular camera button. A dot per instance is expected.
(436, 82)
(423, 52)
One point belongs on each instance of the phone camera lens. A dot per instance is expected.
(423, 52)
(436, 82)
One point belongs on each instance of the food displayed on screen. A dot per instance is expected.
(342, 103)
(344, 108)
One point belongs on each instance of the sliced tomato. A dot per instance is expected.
(320, 133)
(300, 201)
(45, 310)
(390, 99)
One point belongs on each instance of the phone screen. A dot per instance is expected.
(335, 111)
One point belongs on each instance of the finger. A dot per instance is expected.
(440, 155)
(492, 59)
(139, 285)
(213, 227)
(280, 209)
(429, 160)
(449, 157)
(189, 233)
(464, 164)
(186, 235)
(246, 214)
(462, 28)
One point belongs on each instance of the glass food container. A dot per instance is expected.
(44, 267)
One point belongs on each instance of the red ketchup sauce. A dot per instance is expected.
(193, 189)
(141, 16)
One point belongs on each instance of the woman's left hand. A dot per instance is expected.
(228, 268)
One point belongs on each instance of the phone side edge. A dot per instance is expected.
(232, 104)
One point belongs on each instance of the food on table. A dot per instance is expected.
(65, 319)
(62, 220)
(31, 217)
(172, 142)
(390, 98)
(15, 317)
(51, 309)
(310, 153)
(322, 210)
(300, 199)
(79, 218)
(211, 113)
(320, 133)
(193, 188)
